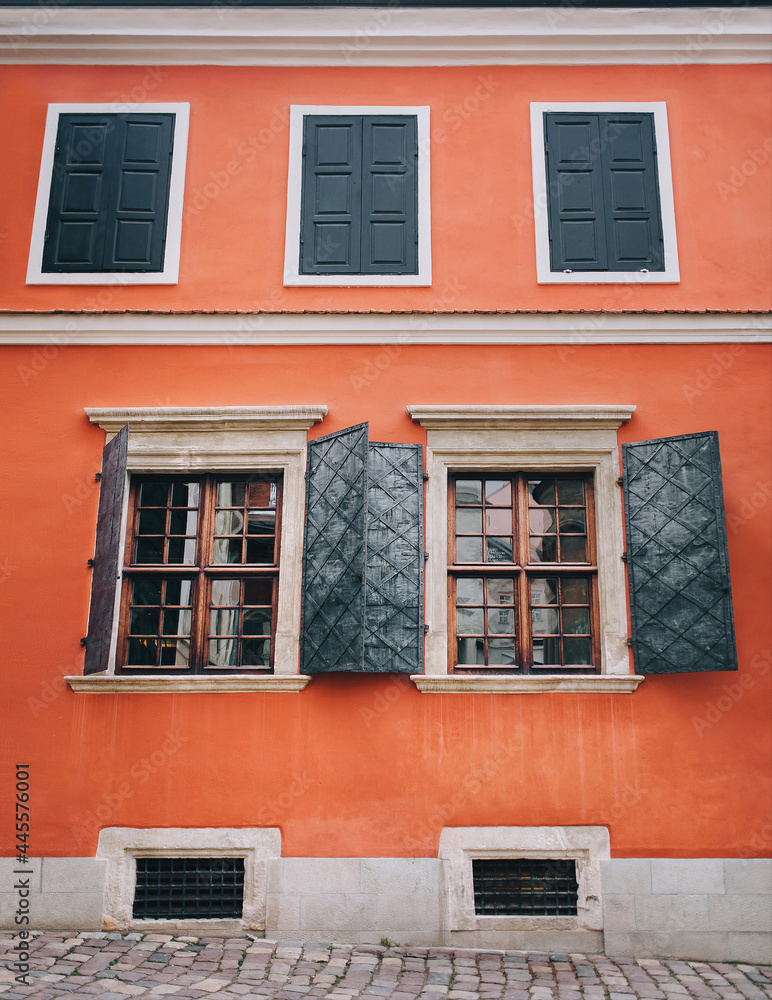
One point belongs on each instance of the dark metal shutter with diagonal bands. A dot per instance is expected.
(362, 604)
(677, 559)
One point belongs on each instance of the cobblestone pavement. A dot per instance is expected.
(121, 966)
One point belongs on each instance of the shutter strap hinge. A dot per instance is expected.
(426, 476)
(426, 555)
(624, 557)
(629, 640)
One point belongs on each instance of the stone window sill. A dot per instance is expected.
(502, 684)
(112, 684)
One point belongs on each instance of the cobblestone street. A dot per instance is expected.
(120, 966)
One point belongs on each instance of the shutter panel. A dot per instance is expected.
(631, 193)
(575, 193)
(390, 195)
(334, 553)
(107, 552)
(395, 559)
(139, 192)
(77, 206)
(677, 562)
(332, 195)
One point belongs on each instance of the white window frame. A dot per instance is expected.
(292, 275)
(219, 439)
(577, 438)
(171, 269)
(587, 845)
(544, 272)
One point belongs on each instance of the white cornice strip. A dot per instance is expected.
(383, 36)
(57, 330)
(525, 684)
(148, 684)
(165, 419)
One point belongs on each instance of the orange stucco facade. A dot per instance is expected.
(367, 766)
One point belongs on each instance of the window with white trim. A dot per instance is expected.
(603, 193)
(358, 196)
(109, 201)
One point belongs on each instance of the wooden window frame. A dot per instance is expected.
(202, 572)
(523, 571)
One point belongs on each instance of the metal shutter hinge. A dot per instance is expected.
(426, 476)
(90, 563)
(426, 555)
(624, 557)
(84, 640)
(426, 629)
(629, 640)
(620, 481)
(97, 477)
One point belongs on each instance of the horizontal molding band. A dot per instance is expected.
(125, 684)
(383, 35)
(58, 330)
(525, 684)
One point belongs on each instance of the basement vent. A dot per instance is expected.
(524, 887)
(189, 888)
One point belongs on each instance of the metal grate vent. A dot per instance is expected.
(189, 888)
(524, 887)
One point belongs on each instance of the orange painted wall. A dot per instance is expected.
(483, 242)
(365, 765)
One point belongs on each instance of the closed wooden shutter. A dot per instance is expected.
(109, 193)
(362, 606)
(677, 560)
(359, 212)
(107, 552)
(603, 192)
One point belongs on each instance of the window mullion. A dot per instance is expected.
(199, 655)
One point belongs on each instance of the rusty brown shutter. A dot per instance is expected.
(677, 560)
(107, 552)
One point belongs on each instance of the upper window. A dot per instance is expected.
(358, 197)
(523, 576)
(202, 573)
(109, 203)
(603, 193)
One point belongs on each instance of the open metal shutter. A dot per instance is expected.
(678, 567)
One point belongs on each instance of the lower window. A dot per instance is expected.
(524, 887)
(189, 889)
(522, 581)
(201, 574)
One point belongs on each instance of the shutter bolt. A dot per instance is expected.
(84, 640)
(644, 270)
(97, 477)
(90, 563)
(567, 270)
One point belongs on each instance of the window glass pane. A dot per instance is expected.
(260, 550)
(576, 620)
(142, 652)
(468, 491)
(226, 592)
(256, 622)
(154, 494)
(224, 622)
(499, 549)
(258, 591)
(544, 549)
(498, 492)
(544, 621)
(144, 621)
(501, 652)
(501, 591)
(183, 522)
(227, 550)
(498, 520)
(542, 520)
(223, 652)
(544, 591)
(149, 550)
(571, 491)
(469, 550)
(176, 622)
(573, 548)
(175, 653)
(469, 590)
(261, 522)
(147, 591)
(151, 522)
(471, 651)
(469, 520)
(255, 652)
(541, 492)
(231, 493)
(575, 590)
(185, 494)
(228, 522)
(546, 652)
(501, 621)
(572, 520)
(261, 493)
(471, 621)
(577, 651)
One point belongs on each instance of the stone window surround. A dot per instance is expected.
(203, 439)
(121, 846)
(558, 438)
(170, 273)
(589, 845)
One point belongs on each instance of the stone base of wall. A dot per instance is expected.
(706, 909)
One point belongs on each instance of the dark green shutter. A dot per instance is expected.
(362, 607)
(334, 553)
(109, 193)
(107, 552)
(389, 195)
(359, 211)
(394, 631)
(603, 193)
(677, 561)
